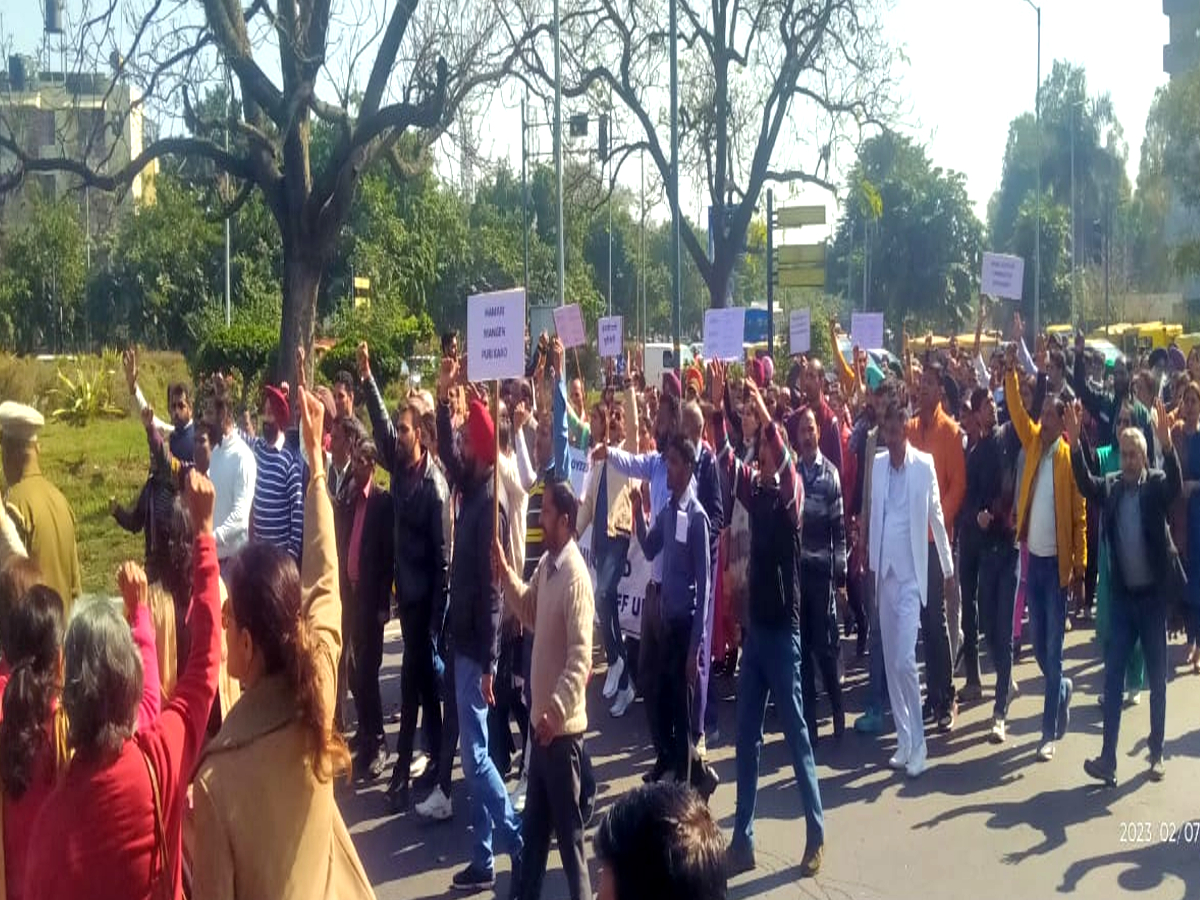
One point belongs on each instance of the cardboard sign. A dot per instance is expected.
(568, 322)
(579, 468)
(496, 335)
(1003, 276)
(866, 330)
(723, 333)
(800, 331)
(612, 336)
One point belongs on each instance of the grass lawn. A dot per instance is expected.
(104, 459)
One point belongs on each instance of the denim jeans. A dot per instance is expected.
(490, 806)
(997, 595)
(877, 690)
(612, 555)
(771, 664)
(1135, 616)
(1047, 602)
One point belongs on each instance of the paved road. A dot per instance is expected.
(983, 822)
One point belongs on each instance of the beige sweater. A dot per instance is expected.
(559, 606)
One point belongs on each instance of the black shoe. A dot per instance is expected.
(738, 859)
(839, 726)
(398, 795)
(1098, 770)
(473, 878)
(948, 717)
(370, 764)
(704, 779)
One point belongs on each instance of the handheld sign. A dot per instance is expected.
(1003, 276)
(723, 333)
(568, 322)
(496, 335)
(866, 330)
(612, 336)
(800, 331)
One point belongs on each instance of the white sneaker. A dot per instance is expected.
(999, 731)
(1133, 698)
(519, 793)
(436, 806)
(1045, 752)
(613, 681)
(624, 699)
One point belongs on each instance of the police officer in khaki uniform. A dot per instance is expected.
(41, 514)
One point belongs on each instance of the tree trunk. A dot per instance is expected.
(301, 282)
(718, 283)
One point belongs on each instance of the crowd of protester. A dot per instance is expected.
(187, 739)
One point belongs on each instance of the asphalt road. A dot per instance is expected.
(982, 822)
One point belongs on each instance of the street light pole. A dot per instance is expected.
(673, 184)
(1037, 237)
(558, 161)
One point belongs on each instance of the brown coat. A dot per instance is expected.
(266, 827)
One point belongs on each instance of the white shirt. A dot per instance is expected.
(1043, 532)
(233, 471)
(896, 548)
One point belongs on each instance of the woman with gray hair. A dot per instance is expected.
(111, 828)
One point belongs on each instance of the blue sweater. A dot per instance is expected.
(277, 514)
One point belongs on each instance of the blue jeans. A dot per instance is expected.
(490, 806)
(1046, 600)
(771, 663)
(1133, 617)
(612, 555)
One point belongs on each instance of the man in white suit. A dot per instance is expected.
(905, 508)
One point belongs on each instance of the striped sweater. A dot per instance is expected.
(823, 534)
(277, 514)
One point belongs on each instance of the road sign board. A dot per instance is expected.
(801, 276)
(800, 255)
(797, 216)
(362, 284)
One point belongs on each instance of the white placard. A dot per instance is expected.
(579, 467)
(800, 331)
(1003, 276)
(612, 336)
(496, 335)
(724, 331)
(866, 330)
(568, 323)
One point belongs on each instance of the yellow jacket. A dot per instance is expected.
(1070, 512)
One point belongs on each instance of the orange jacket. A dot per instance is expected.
(943, 441)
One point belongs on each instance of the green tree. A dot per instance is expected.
(923, 240)
(43, 274)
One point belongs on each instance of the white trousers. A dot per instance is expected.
(899, 621)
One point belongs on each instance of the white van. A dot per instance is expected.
(660, 358)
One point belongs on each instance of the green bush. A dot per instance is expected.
(89, 394)
(27, 379)
(392, 335)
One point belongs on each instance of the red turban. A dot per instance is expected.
(481, 433)
(277, 401)
(694, 377)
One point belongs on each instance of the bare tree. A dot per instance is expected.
(283, 62)
(770, 91)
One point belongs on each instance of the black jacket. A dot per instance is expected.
(1157, 493)
(774, 566)
(476, 599)
(419, 499)
(375, 561)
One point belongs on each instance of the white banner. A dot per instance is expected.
(1003, 276)
(800, 331)
(612, 336)
(496, 335)
(631, 589)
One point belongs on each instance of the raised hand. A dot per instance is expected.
(1071, 423)
(447, 376)
(1162, 424)
(148, 417)
(363, 355)
(312, 429)
(129, 363)
(301, 372)
(200, 498)
(134, 588)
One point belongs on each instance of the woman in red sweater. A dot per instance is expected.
(111, 828)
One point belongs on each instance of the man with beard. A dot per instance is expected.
(233, 471)
(474, 621)
(808, 386)
(277, 513)
(419, 497)
(771, 643)
(343, 395)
